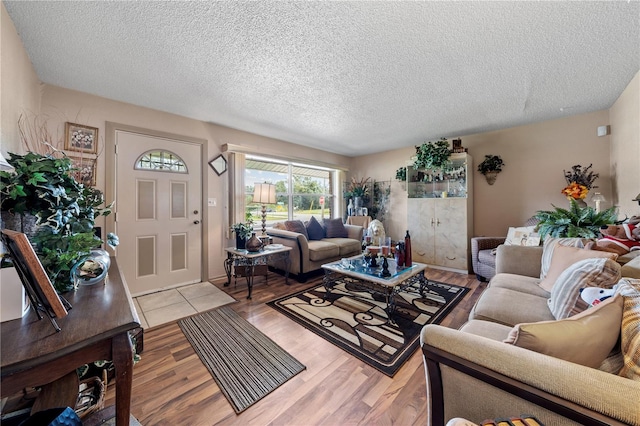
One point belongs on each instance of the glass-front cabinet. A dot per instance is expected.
(440, 213)
(449, 181)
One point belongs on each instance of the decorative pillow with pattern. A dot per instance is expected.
(334, 228)
(629, 288)
(565, 256)
(296, 226)
(565, 300)
(586, 338)
(314, 229)
(279, 225)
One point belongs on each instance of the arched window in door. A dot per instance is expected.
(161, 161)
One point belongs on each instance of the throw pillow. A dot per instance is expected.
(314, 229)
(586, 338)
(296, 226)
(563, 257)
(565, 300)
(550, 244)
(334, 228)
(279, 225)
(522, 236)
(630, 290)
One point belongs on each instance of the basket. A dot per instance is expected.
(91, 395)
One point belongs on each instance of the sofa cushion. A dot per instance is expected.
(565, 299)
(631, 269)
(519, 283)
(549, 246)
(563, 257)
(488, 329)
(334, 228)
(296, 226)
(346, 246)
(510, 307)
(279, 225)
(630, 290)
(586, 338)
(322, 250)
(315, 231)
(487, 257)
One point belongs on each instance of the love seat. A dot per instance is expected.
(308, 255)
(472, 373)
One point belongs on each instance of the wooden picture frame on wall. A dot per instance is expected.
(81, 138)
(33, 276)
(84, 170)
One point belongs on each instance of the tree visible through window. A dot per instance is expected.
(302, 191)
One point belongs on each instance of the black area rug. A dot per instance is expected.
(356, 321)
(246, 364)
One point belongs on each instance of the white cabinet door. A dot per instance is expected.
(451, 233)
(421, 224)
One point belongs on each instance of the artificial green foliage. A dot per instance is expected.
(401, 174)
(244, 230)
(575, 222)
(432, 155)
(491, 163)
(65, 209)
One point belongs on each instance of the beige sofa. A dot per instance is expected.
(308, 256)
(471, 373)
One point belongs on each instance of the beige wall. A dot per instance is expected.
(19, 85)
(535, 156)
(63, 105)
(624, 117)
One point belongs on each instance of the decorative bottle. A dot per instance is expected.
(350, 208)
(407, 250)
(400, 255)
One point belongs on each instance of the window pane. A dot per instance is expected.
(299, 199)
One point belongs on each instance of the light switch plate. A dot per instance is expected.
(212, 202)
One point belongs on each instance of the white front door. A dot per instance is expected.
(158, 204)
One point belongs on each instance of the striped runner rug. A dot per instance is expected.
(246, 364)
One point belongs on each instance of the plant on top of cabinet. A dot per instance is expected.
(431, 155)
(401, 174)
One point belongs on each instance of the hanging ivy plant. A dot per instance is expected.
(432, 155)
(401, 174)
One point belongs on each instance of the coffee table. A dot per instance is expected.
(250, 260)
(370, 280)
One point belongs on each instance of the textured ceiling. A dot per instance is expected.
(347, 77)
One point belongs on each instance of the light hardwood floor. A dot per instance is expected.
(171, 386)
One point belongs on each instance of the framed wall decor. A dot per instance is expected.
(84, 170)
(35, 280)
(81, 138)
(219, 164)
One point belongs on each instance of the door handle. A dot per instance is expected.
(196, 222)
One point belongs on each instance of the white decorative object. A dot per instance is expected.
(13, 298)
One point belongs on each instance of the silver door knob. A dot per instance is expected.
(196, 222)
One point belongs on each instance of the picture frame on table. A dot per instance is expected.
(84, 169)
(35, 280)
(81, 138)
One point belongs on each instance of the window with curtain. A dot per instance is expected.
(302, 190)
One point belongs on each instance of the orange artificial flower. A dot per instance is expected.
(576, 191)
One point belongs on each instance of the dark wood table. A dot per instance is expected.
(34, 354)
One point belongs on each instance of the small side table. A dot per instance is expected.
(251, 259)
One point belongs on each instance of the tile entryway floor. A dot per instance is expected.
(171, 305)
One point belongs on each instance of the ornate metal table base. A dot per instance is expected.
(250, 260)
(387, 291)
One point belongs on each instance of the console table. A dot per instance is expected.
(251, 259)
(34, 354)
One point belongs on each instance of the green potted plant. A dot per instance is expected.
(432, 155)
(575, 222)
(243, 231)
(490, 167)
(65, 211)
(401, 174)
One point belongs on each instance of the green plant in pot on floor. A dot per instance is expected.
(41, 185)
